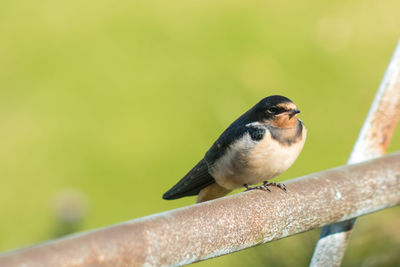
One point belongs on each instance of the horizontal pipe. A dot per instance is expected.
(228, 224)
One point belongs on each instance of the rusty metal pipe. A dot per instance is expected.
(229, 224)
(372, 142)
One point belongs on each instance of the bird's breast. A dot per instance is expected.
(251, 162)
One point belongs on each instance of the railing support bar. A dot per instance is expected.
(372, 142)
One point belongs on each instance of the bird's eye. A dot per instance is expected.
(272, 110)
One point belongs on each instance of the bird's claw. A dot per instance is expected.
(279, 185)
(260, 187)
(265, 185)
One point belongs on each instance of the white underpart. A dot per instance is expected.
(251, 162)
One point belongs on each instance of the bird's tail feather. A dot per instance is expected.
(191, 184)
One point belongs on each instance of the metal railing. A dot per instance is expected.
(229, 224)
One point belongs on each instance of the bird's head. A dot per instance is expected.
(277, 111)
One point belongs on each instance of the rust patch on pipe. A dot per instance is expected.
(383, 116)
(385, 119)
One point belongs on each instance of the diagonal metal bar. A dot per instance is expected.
(372, 142)
(229, 224)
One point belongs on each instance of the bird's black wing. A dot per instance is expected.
(220, 147)
(199, 177)
(191, 184)
(233, 133)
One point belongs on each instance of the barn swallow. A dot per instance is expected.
(258, 146)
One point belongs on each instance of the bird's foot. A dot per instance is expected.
(265, 185)
(260, 187)
(279, 185)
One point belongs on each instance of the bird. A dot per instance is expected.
(258, 146)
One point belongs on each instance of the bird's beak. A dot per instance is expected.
(293, 112)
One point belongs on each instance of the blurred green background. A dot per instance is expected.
(104, 105)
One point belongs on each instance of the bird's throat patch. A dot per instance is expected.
(287, 136)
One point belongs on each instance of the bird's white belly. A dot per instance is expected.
(250, 162)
